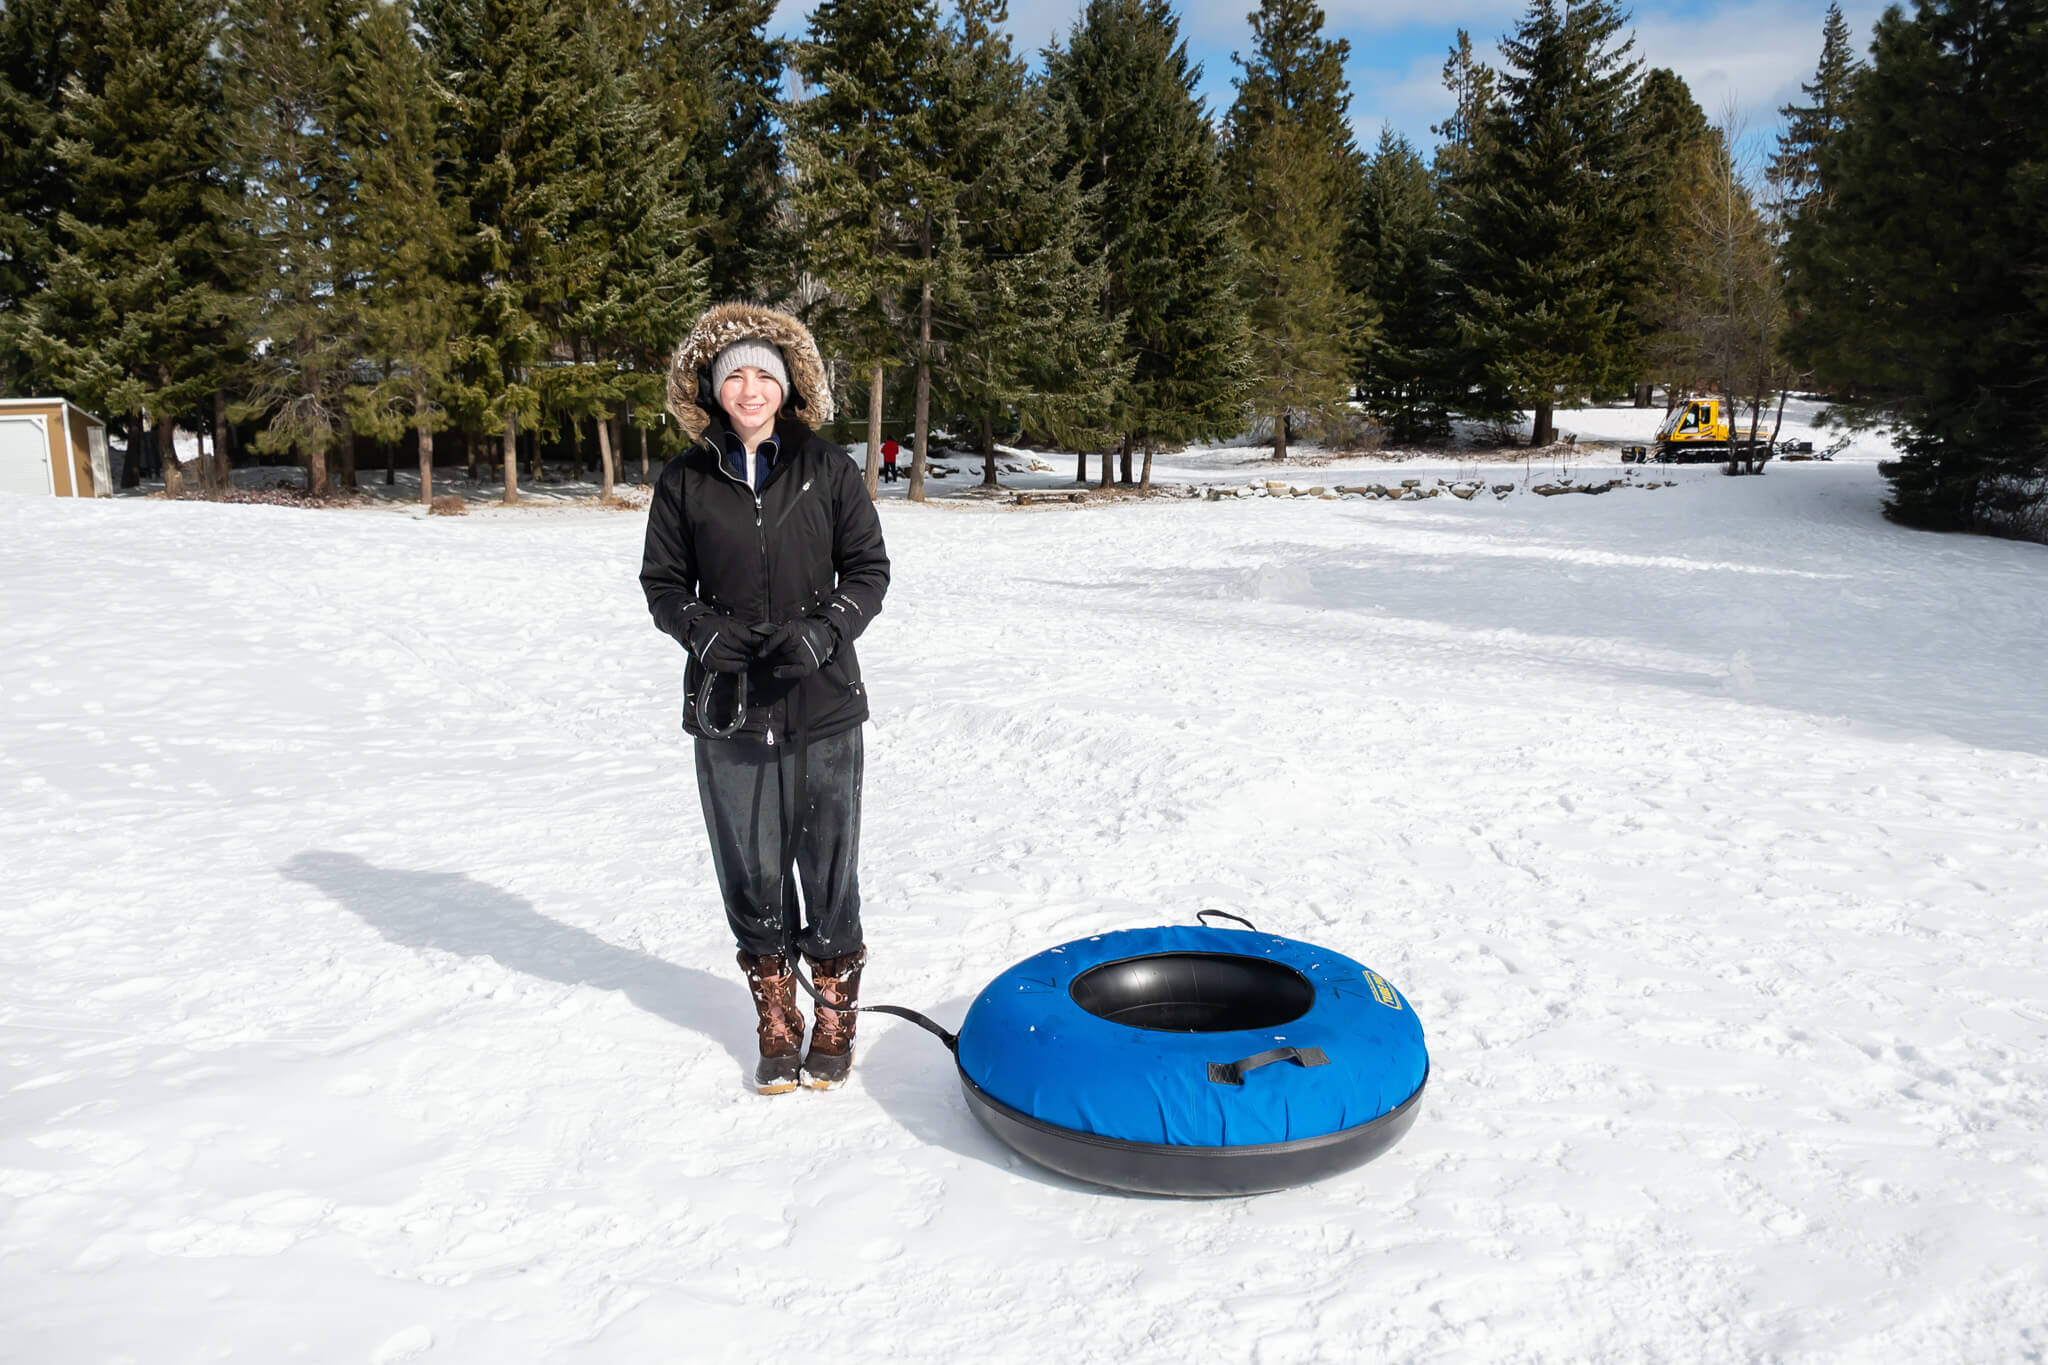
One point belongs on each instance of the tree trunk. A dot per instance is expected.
(1280, 436)
(316, 472)
(511, 458)
(1124, 473)
(426, 442)
(874, 457)
(540, 471)
(167, 456)
(1778, 425)
(346, 444)
(223, 463)
(1734, 465)
(390, 462)
(1643, 394)
(604, 457)
(471, 442)
(1545, 431)
(988, 452)
(1145, 485)
(924, 370)
(167, 445)
(1109, 463)
(131, 460)
(642, 433)
(1080, 466)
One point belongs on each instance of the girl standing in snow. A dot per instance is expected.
(765, 560)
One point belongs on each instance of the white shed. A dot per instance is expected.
(52, 446)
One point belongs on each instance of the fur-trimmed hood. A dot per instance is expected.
(810, 394)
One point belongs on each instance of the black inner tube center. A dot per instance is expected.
(1194, 992)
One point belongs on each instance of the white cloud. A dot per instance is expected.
(1034, 23)
(1487, 19)
(1409, 99)
(1753, 52)
(1749, 58)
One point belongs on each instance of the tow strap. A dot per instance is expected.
(796, 801)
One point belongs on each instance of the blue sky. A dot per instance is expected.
(1749, 52)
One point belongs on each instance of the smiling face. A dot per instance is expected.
(751, 397)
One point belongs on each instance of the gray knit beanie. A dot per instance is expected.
(753, 351)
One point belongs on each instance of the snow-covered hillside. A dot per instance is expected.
(364, 996)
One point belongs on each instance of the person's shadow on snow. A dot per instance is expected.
(909, 1076)
(458, 914)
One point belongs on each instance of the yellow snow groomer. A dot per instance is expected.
(1697, 431)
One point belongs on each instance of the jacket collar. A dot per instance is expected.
(766, 456)
(791, 438)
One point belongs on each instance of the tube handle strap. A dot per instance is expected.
(711, 729)
(1232, 1073)
(1203, 916)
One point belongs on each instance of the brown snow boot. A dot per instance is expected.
(780, 1022)
(830, 1057)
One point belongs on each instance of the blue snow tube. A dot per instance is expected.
(1193, 1061)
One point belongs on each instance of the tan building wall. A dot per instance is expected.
(71, 430)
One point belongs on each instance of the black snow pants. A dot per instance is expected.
(746, 789)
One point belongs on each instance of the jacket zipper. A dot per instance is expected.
(767, 580)
(761, 536)
(794, 503)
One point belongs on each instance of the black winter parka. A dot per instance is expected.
(809, 544)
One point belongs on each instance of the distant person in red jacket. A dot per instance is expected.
(889, 453)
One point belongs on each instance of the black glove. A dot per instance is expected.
(722, 644)
(801, 647)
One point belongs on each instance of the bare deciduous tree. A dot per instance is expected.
(1730, 312)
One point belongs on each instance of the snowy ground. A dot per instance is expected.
(363, 996)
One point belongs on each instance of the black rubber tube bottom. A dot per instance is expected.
(1190, 1172)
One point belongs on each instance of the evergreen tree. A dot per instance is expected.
(1922, 272)
(748, 242)
(1549, 215)
(520, 96)
(1457, 170)
(1020, 327)
(1290, 169)
(866, 195)
(1472, 86)
(33, 65)
(712, 77)
(636, 278)
(127, 302)
(1124, 91)
(1407, 371)
(1678, 158)
(406, 237)
(287, 60)
(1809, 128)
